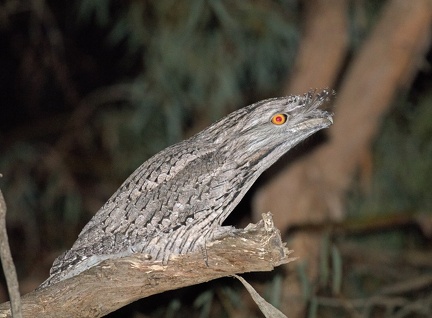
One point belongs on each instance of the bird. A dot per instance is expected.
(177, 200)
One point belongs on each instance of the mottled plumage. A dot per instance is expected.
(176, 201)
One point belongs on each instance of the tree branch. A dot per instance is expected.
(115, 283)
(7, 263)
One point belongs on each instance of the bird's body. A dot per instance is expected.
(176, 201)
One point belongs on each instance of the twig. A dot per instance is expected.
(7, 263)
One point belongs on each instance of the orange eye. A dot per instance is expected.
(279, 119)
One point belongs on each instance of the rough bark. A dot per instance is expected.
(116, 283)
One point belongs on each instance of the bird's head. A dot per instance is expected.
(261, 133)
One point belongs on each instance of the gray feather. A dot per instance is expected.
(177, 200)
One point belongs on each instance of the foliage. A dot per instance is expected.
(198, 61)
(402, 175)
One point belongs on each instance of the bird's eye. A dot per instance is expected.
(279, 119)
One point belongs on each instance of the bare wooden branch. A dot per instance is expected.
(116, 283)
(7, 263)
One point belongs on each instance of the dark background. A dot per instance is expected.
(91, 89)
